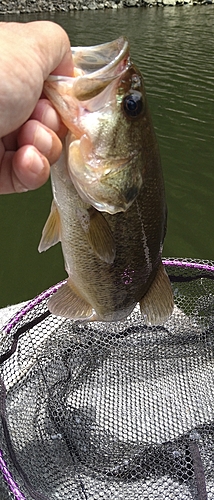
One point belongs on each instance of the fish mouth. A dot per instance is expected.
(100, 65)
(95, 68)
(101, 59)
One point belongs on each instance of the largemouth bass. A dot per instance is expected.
(109, 209)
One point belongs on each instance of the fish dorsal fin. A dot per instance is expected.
(98, 233)
(66, 302)
(51, 230)
(157, 304)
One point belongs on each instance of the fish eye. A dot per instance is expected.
(133, 104)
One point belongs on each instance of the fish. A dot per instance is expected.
(109, 209)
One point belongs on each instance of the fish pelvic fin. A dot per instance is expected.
(66, 302)
(98, 233)
(157, 304)
(51, 230)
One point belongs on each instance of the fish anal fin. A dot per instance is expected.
(98, 233)
(157, 304)
(66, 302)
(51, 230)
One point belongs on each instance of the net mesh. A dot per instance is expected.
(111, 410)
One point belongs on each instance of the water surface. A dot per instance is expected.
(173, 48)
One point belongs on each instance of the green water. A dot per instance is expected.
(174, 48)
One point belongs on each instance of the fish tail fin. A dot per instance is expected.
(157, 304)
(66, 302)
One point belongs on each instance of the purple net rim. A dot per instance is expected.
(189, 263)
(168, 262)
(31, 304)
(9, 479)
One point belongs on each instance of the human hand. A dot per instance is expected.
(29, 126)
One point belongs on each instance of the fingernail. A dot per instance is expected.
(19, 188)
(43, 140)
(37, 162)
(51, 119)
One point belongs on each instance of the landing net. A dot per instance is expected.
(111, 410)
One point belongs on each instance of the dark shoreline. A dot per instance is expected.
(34, 6)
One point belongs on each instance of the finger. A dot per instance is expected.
(42, 138)
(57, 52)
(23, 170)
(47, 49)
(46, 114)
(6, 183)
(66, 67)
(10, 141)
(30, 169)
(50, 40)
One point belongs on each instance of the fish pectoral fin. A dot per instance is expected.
(157, 304)
(51, 230)
(76, 163)
(98, 233)
(66, 302)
